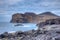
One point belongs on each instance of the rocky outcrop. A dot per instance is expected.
(50, 25)
(19, 18)
(49, 22)
(23, 18)
(30, 17)
(46, 16)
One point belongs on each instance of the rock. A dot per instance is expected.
(19, 18)
(29, 35)
(41, 24)
(53, 21)
(30, 17)
(30, 14)
(57, 38)
(46, 16)
(48, 13)
(49, 22)
(20, 34)
(4, 35)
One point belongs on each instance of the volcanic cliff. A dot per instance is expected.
(30, 17)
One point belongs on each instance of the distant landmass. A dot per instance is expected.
(30, 17)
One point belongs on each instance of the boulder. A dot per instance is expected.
(4, 35)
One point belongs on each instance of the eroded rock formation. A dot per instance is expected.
(30, 17)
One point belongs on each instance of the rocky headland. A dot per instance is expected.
(30, 17)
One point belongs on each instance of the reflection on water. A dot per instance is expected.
(10, 27)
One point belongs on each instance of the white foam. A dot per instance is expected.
(11, 31)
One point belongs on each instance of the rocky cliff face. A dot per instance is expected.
(32, 17)
(19, 18)
(49, 22)
(46, 16)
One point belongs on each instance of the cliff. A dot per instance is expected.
(46, 16)
(23, 18)
(30, 17)
(49, 22)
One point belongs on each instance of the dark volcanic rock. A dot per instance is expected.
(57, 38)
(4, 35)
(31, 35)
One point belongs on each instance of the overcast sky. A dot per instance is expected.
(9, 7)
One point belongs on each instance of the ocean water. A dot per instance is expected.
(10, 27)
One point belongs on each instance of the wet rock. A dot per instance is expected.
(4, 35)
(57, 38)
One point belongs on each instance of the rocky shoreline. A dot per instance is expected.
(31, 35)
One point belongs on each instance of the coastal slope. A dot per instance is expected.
(30, 17)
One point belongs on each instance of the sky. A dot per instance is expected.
(9, 7)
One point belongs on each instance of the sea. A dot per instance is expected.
(13, 27)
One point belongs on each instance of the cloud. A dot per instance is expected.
(57, 12)
(5, 5)
(48, 3)
(10, 2)
(13, 1)
(29, 5)
(1, 2)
